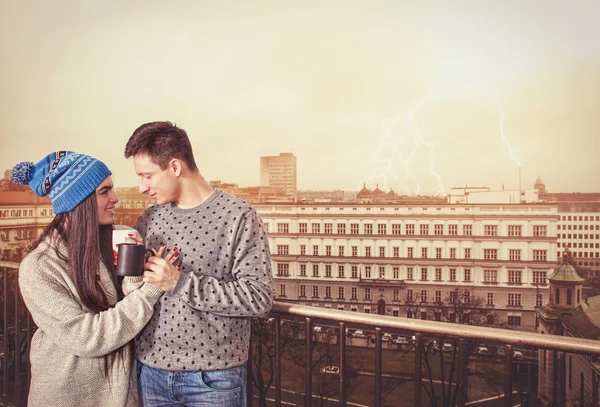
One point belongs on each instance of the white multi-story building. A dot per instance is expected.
(402, 260)
(280, 172)
(580, 232)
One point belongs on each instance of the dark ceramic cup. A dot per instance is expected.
(131, 259)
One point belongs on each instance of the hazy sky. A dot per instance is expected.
(414, 95)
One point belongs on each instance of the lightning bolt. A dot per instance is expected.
(402, 139)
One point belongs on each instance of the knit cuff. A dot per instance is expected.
(151, 290)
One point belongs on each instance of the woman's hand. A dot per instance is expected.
(162, 272)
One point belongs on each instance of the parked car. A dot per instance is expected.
(386, 338)
(481, 351)
(500, 352)
(447, 347)
(401, 340)
(517, 354)
(359, 334)
(331, 370)
(318, 328)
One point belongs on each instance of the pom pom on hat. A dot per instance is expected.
(21, 173)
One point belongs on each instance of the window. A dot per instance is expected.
(316, 228)
(490, 276)
(409, 295)
(341, 270)
(329, 228)
(409, 313)
(341, 228)
(454, 297)
(490, 299)
(410, 229)
(282, 290)
(467, 253)
(381, 229)
(327, 250)
(283, 228)
(328, 292)
(283, 249)
(396, 251)
(424, 315)
(409, 273)
(438, 229)
(367, 251)
(514, 230)
(367, 271)
(315, 250)
(452, 274)
(538, 300)
(382, 252)
(557, 296)
(453, 229)
(341, 251)
(424, 252)
(438, 252)
(315, 291)
(395, 294)
(354, 294)
(424, 229)
(395, 229)
(303, 270)
(490, 254)
(302, 291)
(514, 276)
(438, 274)
(490, 230)
(283, 269)
(381, 272)
(303, 228)
(354, 251)
(467, 297)
(467, 274)
(539, 255)
(539, 230)
(453, 252)
(514, 320)
(539, 277)
(423, 295)
(367, 293)
(514, 300)
(514, 254)
(302, 249)
(315, 270)
(354, 271)
(467, 230)
(354, 228)
(265, 224)
(409, 252)
(328, 270)
(438, 296)
(368, 229)
(396, 272)
(424, 274)
(341, 293)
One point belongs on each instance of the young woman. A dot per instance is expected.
(81, 353)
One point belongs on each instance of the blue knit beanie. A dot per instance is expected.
(66, 177)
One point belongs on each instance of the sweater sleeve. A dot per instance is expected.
(56, 310)
(250, 294)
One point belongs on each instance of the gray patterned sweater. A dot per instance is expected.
(226, 279)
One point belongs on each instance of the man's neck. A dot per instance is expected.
(194, 191)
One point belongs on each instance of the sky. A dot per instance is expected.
(418, 96)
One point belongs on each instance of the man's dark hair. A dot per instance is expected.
(161, 141)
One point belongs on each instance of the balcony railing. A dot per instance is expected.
(287, 362)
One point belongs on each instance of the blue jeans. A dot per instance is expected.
(164, 388)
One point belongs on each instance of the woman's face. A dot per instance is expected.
(106, 200)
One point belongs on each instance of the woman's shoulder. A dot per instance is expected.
(44, 259)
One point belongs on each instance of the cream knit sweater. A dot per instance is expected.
(67, 363)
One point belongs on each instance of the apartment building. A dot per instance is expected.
(404, 260)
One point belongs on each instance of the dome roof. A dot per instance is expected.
(565, 272)
(539, 181)
(378, 192)
(364, 192)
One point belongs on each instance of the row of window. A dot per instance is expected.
(23, 213)
(409, 229)
(489, 275)
(580, 236)
(488, 254)
(577, 227)
(580, 218)
(453, 297)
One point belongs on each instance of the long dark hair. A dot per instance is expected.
(87, 244)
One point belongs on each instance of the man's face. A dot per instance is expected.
(106, 199)
(162, 185)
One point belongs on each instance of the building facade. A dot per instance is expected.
(280, 172)
(405, 260)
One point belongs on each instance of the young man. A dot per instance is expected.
(193, 350)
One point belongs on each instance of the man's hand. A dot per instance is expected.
(160, 272)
